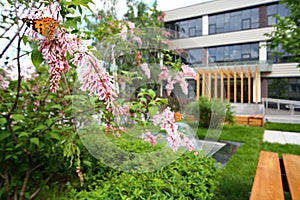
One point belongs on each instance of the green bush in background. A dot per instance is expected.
(215, 109)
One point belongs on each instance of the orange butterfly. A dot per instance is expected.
(45, 26)
(177, 116)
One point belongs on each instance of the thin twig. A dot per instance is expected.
(26, 179)
(28, 171)
(39, 189)
(6, 182)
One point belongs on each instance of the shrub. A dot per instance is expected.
(211, 112)
(189, 177)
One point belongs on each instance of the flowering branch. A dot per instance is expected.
(167, 122)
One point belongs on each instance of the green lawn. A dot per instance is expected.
(238, 174)
(283, 127)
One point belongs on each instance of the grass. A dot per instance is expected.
(238, 175)
(283, 127)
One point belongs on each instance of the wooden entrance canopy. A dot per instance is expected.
(206, 76)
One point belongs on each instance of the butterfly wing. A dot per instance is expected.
(50, 27)
(45, 26)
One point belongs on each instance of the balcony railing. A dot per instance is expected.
(282, 105)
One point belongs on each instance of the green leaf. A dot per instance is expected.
(99, 56)
(25, 39)
(18, 117)
(48, 122)
(56, 106)
(152, 111)
(87, 163)
(8, 156)
(143, 100)
(36, 58)
(16, 128)
(39, 127)
(55, 136)
(3, 136)
(18, 145)
(35, 141)
(2, 121)
(151, 93)
(23, 134)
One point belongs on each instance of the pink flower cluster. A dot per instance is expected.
(119, 110)
(116, 132)
(124, 29)
(148, 137)
(179, 77)
(167, 122)
(146, 70)
(4, 84)
(94, 79)
(188, 71)
(55, 54)
(161, 18)
(144, 66)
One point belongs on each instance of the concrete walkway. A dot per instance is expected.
(281, 137)
(291, 119)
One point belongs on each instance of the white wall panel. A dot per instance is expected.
(284, 70)
(205, 25)
(211, 8)
(253, 35)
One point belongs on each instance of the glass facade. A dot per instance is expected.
(185, 28)
(277, 55)
(192, 56)
(234, 21)
(231, 53)
(276, 9)
(229, 21)
(284, 88)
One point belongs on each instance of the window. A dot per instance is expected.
(193, 56)
(284, 88)
(185, 28)
(278, 55)
(241, 52)
(276, 9)
(234, 21)
(191, 88)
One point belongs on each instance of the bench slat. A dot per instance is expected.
(267, 183)
(292, 170)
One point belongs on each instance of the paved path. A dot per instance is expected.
(281, 137)
(292, 119)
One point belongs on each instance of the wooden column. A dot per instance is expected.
(228, 85)
(234, 84)
(222, 84)
(203, 84)
(209, 85)
(256, 84)
(216, 85)
(242, 84)
(249, 85)
(198, 84)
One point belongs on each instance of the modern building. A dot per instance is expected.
(225, 41)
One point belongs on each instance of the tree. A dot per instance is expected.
(287, 31)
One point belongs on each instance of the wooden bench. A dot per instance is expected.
(292, 171)
(268, 181)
